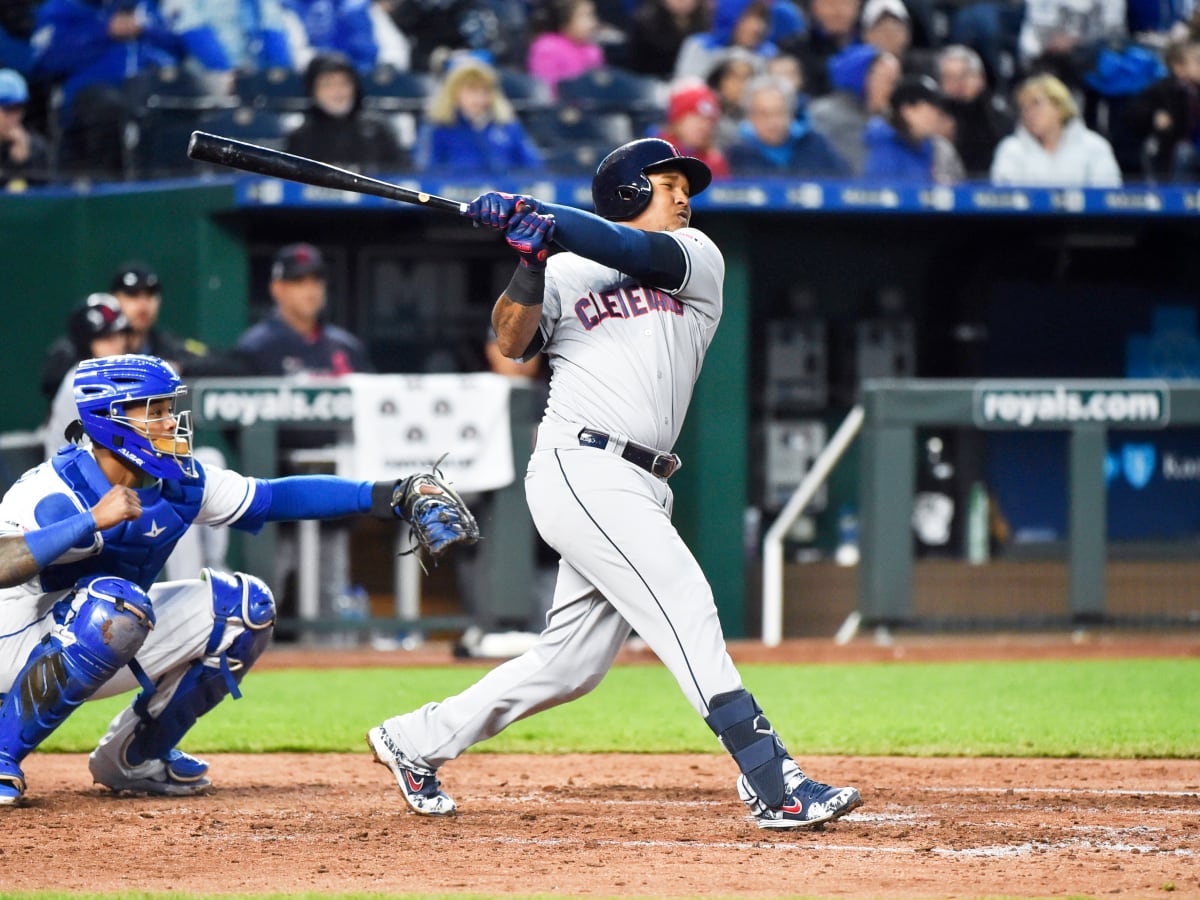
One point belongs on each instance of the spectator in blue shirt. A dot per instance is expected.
(471, 126)
(91, 47)
(775, 141)
(908, 144)
(343, 26)
(249, 34)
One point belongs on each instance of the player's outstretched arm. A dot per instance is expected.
(518, 311)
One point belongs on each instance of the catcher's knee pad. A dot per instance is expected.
(107, 629)
(737, 719)
(241, 601)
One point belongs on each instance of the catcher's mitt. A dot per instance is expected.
(438, 516)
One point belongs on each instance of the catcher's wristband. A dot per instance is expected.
(528, 286)
(382, 493)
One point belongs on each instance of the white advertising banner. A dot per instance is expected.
(405, 423)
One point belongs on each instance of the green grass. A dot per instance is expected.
(1125, 708)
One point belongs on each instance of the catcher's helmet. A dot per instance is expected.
(105, 387)
(620, 188)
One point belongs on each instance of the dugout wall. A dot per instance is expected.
(827, 285)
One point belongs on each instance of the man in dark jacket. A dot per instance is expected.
(981, 118)
(1161, 126)
(336, 129)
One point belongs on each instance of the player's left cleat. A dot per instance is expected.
(179, 775)
(807, 803)
(12, 782)
(420, 787)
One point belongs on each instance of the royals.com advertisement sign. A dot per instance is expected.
(1020, 406)
(1152, 472)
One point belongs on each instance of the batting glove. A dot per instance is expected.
(530, 235)
(496, 209)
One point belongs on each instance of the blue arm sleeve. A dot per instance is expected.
(50, 542)
(316, 497)
(651, 257)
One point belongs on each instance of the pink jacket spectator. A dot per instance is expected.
(553, 57)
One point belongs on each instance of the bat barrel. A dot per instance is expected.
(235, 154)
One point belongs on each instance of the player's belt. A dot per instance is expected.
(663, 465)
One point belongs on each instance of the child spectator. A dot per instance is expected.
(728, 79)
(907, 144)
(1052, 146)
(565, 46)
(693, 112)
(336, 128)
(471, 126)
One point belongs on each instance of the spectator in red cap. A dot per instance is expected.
(693, 111)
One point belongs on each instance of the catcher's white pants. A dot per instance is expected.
(623, 566)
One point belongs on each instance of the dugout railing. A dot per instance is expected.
(1060, 585)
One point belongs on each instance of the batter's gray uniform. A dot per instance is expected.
(624, 359)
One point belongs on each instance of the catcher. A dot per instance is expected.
(83, 537)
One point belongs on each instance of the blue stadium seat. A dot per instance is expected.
(388, 89)
(609, 89)
(167, 105)
(575, 159)
(565, 125)
(523, 90)
(275, 88)
(245, 123)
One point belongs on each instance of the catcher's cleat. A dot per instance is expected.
(419, 785)
(179, 775)
(807, 803)
(12, 782)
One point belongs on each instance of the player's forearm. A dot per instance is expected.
(649, 256)
(23, 556)
(515, 326)
(17, 563)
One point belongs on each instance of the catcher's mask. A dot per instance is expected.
(115, 396)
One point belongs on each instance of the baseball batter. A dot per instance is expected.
(625, 318)
(83, 537)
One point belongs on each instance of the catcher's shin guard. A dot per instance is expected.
(737, 719)
(67, 667)
(239, 600)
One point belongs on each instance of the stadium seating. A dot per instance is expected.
(274, 88)
(168, 105)
(388, 89)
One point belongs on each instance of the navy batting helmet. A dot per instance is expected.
(620, 188)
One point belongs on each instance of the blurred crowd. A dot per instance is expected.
(1040, 92)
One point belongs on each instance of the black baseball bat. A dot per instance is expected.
(225, 151)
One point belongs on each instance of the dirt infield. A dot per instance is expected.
(617, 825)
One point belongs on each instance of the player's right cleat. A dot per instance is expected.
(12, 782)
(419, 785)
(179, 775)
(807, 803)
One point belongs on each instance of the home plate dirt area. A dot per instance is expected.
(621, 825)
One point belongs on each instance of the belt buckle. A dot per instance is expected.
(664, 465)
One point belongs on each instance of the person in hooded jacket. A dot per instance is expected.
(336, 128)
(907, 144)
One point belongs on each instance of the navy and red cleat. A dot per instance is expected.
(419, 785)
(807, 803)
